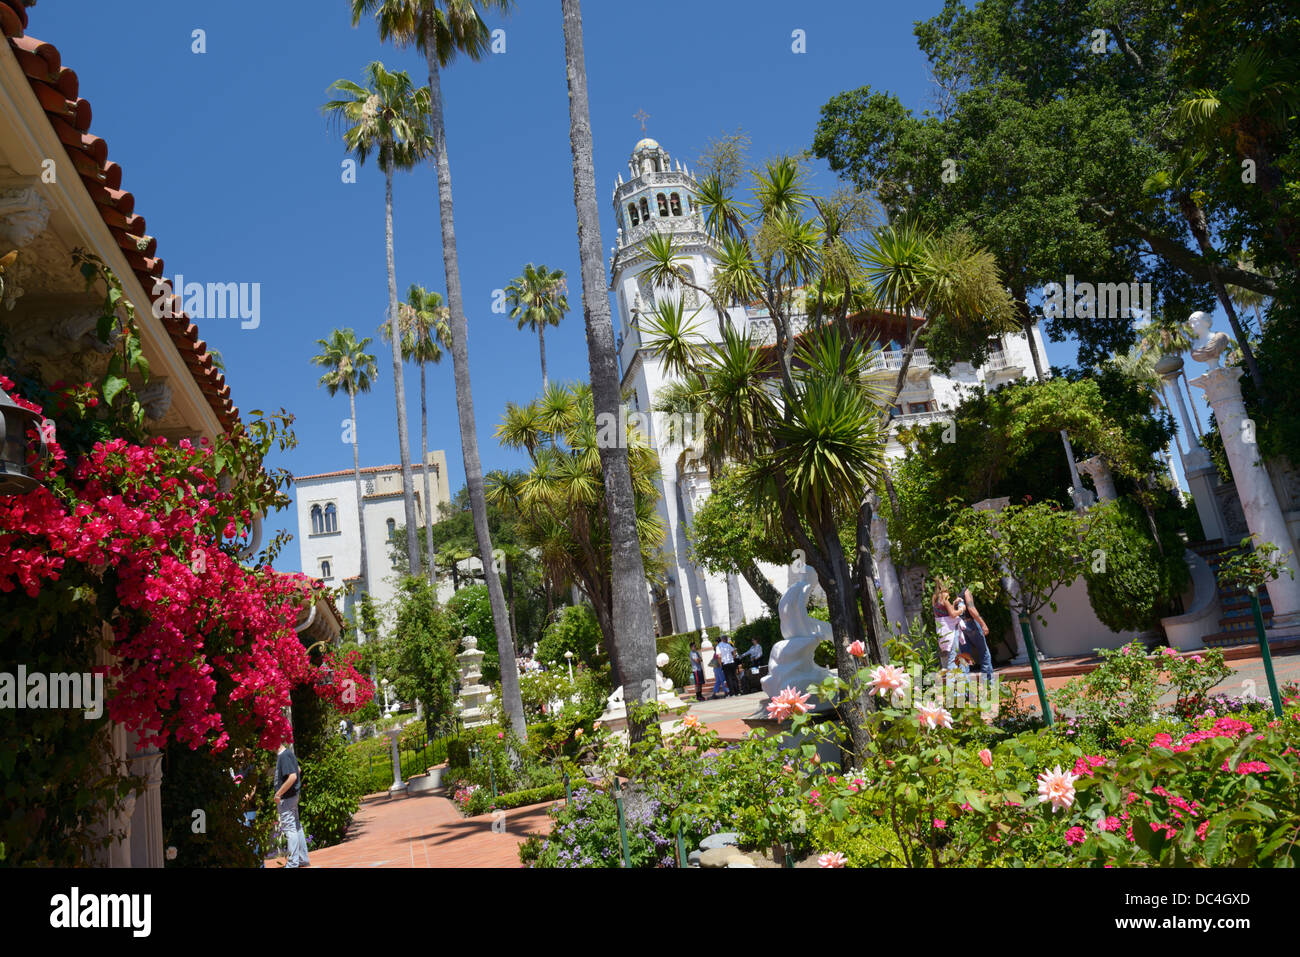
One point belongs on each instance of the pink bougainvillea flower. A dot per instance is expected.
(933, 716)
(833, 859)
(1196, 658)
(890, 680)
(1056, 786)
(858, 650)
(1249, 767)
(788, 702)
(941, 824)
(500, 735)
(691, 721)
(1168, 652)
(986, 757)
(1075, 835)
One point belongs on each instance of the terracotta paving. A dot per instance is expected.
(427, 830)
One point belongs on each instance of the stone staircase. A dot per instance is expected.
(1237, 626)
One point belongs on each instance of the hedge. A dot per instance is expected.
(513, 799)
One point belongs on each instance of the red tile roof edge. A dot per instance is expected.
(365, 470)
(56, 90)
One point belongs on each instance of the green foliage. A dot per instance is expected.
(421, 662)
(679, 670)
(732, 529)
(1131, 580)
(481, 801)
(766, 629)
(331, 793)
(1254, 567)
(1125, 689)
(576, 630)
(471, 611)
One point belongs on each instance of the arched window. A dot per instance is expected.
(325, 569)
(331, 518)
(317, 520)
(645, 209)
(676, 202)
(663, 204)
(632, 215)
(392, 527)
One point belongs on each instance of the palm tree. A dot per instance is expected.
(537, 300)
(424, 336)
(442, 29)
(389, 117)
(350, 368)
(633, 624)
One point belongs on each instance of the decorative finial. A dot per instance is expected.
(641, 115)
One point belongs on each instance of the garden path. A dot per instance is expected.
(427, 830)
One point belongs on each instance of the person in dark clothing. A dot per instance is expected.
(288, 788)
(697, 671)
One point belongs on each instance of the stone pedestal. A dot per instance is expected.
(1254, 487)
(1202, 479)
(398, 784)
(474, 695)
(1097, 469)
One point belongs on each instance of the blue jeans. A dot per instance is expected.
(719, 679)
(979, 650)
(292, 827)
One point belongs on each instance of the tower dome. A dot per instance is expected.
(646, 144)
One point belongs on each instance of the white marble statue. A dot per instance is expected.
(791, 662)
(1209, 346)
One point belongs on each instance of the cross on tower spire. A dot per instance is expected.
(641, 115)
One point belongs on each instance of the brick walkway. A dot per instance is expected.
(427, 830)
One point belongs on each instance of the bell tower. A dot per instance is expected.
(658, 197)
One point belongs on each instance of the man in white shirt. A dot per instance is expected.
(727, 655)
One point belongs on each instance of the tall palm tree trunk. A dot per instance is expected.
(511, 701)
(428, 498)
(399, 383)
(541, 346)
(356, 475)
(633, 628)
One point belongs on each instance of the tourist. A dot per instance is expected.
(727, 655)
(977, 632)
(697, 670)
(946, 619)
(288, 787)
(755, 655)
(718, 676)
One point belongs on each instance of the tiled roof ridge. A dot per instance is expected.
(365, 469)
(56, 89)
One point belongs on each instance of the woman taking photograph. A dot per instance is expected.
(947, 618)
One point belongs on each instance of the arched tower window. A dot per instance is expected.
(662, 200)
(632, 214)
(325, 570)
(392, 527)
(317, 520)
(331, 518)
(645, 209)
(676, 202)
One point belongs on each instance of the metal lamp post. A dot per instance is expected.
(568, 657)
(384, 684)
(15, 421)
(1264, 651)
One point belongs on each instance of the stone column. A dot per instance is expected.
(1201, 474)
(890, 590)
(1259, 501)
(146, 818)
(1099, 472)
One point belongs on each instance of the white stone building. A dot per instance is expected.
(329, 534)
(659, 197)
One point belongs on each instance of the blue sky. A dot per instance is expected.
(239, 176)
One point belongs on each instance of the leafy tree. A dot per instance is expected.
(575, 630)
(632, 649)
(559, 501)
(389, 117)
(732, 532)
(350, 368)
(426, 639)
(443, 30)
(1131, 579)
(423, 322)
(537, 299)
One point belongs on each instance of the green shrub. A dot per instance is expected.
(481, 801)
(766, 629)
(665, 643)
(678, 669)
(1130, 580)
(472, 610)
(331, 793)
(575, 630)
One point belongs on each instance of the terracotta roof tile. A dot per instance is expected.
(57, 91)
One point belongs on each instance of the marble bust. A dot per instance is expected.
(1208, 346)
